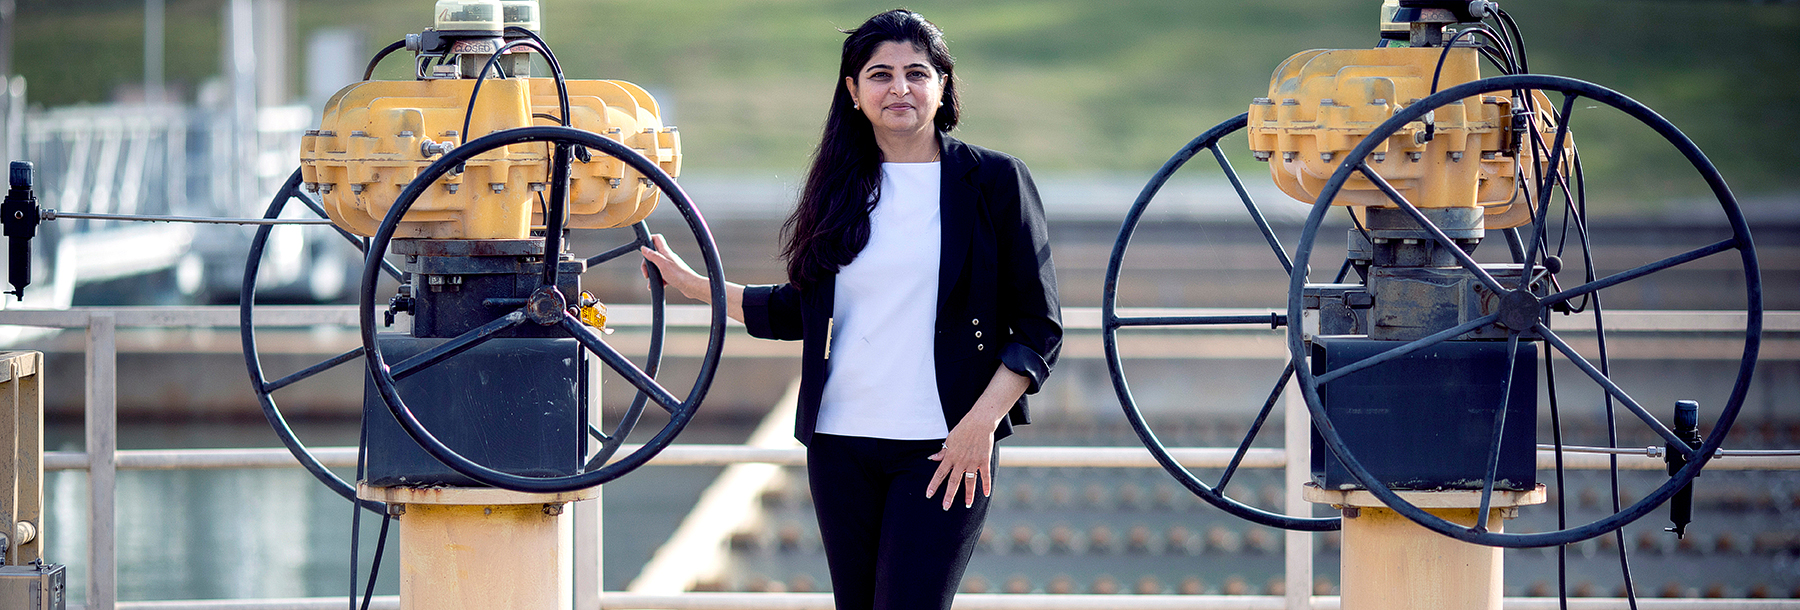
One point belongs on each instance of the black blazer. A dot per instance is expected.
(997, 301)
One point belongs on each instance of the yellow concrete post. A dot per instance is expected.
(1391, 563)
(482, 548)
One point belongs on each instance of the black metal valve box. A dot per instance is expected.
(1425, 421)
(511, 404)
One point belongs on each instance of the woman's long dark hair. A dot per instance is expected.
(830, 224)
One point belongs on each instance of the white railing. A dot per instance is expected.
(102, 459)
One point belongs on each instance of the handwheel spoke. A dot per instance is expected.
(315, 369)
(554, 214)
(1256, 426)
(462, 343)
(1614, 390)
(1413, 346)
(621, 250)
(355, 241)
(632, 374)
(1493, 465)
(1287, 266)
(1467, 261)
(1344, 270)
(1274, 320)
(1626, 276)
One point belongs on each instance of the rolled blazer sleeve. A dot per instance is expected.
(1028, 278)
(772, 311)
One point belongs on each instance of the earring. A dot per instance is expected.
(856, 105)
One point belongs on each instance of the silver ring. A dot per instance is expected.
(968, 475)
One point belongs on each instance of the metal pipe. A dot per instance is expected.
(54, 215)
(1654, 451)
(1297, 546)
(102, 443)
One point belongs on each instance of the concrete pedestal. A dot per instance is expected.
(1391, 563)
(481, 548)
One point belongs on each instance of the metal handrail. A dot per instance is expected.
(983, 601)
(1589, 458)
(102, 460)
(681, 316)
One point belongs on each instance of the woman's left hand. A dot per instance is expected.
(965, 462)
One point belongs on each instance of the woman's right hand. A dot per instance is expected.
(676, 272)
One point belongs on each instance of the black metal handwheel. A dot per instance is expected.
(260, 384)
(1524, 314)
(1112, 322)
(546, 307)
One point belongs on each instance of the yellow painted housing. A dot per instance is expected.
(372, 142)
(1322, 103)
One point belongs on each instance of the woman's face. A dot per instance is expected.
(898, 89)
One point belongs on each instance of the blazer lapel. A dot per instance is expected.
(957, 199)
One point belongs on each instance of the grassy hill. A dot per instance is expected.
(1068, 85)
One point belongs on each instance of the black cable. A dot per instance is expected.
(1495, 57)
(375, 565)
(362, 445)
(562, 88)
(1357, 222)
(562, 99)
(356, 532)
(1518, 38)
(493, 64)
(1612, 437)
(1612, 428)
(1507, 42)
(1580, 179)
(1562, 490)
(1451, 44)
(369, 72)
(1498, 45)
(1574, 199)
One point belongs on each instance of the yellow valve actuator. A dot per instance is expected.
(376, 136)
(1322, 103)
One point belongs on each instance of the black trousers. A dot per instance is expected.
(889, 547)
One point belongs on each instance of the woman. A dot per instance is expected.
(921, 284)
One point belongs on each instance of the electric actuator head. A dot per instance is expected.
(376, 136)
(1465, 154)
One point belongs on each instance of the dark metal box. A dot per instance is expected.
(1426, 420)
(510, 404)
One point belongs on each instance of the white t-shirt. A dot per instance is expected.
(883, 378)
